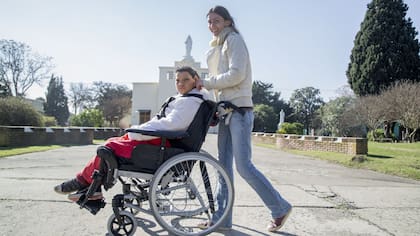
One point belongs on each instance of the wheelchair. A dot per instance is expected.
(177, 185)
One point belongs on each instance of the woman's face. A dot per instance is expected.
(184, 82)
(216, 23)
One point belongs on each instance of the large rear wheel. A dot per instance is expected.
(183, 194)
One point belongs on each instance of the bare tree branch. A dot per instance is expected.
(20, 68)
(402, 102)
(80, 95)
(369, 111)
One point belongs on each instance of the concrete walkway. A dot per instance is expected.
(328, 199)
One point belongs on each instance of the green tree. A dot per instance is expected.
(16, 111)
(20, 68)
(305, 102)
(264, 118)
(113, 100)
(332, 116)
(262, 93)
(385, 49)
(88, 118)
(56, 104)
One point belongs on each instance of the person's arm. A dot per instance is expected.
(238, 59)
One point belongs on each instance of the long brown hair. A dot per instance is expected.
(224, 13)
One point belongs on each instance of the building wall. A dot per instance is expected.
(166, 83)
(144, 98)
(36, 104)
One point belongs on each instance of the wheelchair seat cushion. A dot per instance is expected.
(146, 158)
(123, 146)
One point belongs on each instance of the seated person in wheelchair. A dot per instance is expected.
(176, 114)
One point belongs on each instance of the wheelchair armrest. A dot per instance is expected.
(160, 133)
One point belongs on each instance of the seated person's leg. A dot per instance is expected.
(81, 183)
(70, 186)
(121, 146)
(83, 179)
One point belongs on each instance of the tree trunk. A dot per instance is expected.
(412, 135)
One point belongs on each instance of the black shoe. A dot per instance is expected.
(69, 186)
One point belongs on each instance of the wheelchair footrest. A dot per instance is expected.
(93, 206)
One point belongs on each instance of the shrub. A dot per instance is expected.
(50, 121)
(88, 118)
(17, 112)
(291, 128)
(375, 134)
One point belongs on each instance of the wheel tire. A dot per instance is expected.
(128, 228)
(163, 214)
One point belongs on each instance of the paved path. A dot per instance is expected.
(328, 199)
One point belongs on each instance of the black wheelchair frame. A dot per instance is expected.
(179, 182)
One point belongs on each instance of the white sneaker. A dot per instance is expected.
(277, 223)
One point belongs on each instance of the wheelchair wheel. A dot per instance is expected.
(183, 194)
(134, 202)
(127, 226)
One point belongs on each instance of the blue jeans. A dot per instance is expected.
(234, 140)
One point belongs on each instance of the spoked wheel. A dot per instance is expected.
(134, 202)
(183, 194)
(127, 226)
(134, 196)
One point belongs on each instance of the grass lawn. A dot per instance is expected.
(11, 151)
(401, 159)
(7, 151)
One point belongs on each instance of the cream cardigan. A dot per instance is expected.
(230, 71)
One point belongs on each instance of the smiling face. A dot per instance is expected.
(216, 23)
(184, 82)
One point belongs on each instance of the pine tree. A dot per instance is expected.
(385, 49)
(4, 91)
(305, 102)
(56, 104)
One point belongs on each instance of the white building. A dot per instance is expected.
(37, 104)
(149, 96)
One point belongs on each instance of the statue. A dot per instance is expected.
(281, 121)
(188, 47)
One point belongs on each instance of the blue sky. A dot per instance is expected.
(293, 44)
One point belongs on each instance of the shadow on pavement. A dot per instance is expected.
(378, 156)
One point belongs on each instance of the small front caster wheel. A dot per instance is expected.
(126, 225)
